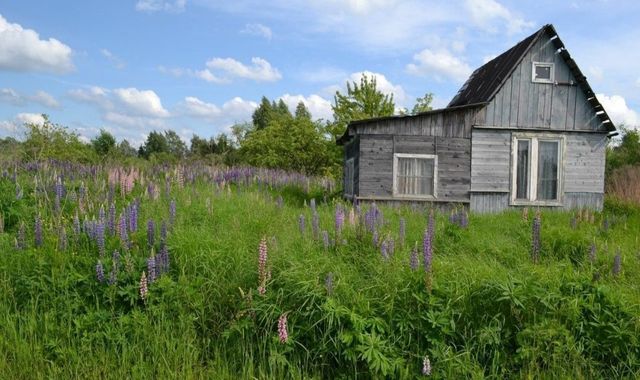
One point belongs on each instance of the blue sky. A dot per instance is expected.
(199, 66)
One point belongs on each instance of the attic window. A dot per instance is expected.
(542, 72)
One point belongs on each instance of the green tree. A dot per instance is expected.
(362, 101)
(104, 143)
(423, 104)
(262, 115)
(124, 149)
(156, 143)
(626, 153)
(175, 145)
(53, 141)
(302, 112)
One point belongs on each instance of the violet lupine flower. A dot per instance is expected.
(339, 219)
(37, 231)
(592, 252)
(262, 266)
(325, 239)
(426, 366)
(101, 215)
(151, 232)
(100, 238)
(301, 224)
(163, 232)
(143, 287)
(113, 276)
(315, 225)
(122, 229)
(374, 238)
(151, 267)
(464, 219)
(413, 259)
(111, 221)
(384, 249)
(100, 272)
(617, 263)
(402, 232)
(328, 283)
(283, 334)
(427, 243)
(21, 241)
(172, 212)
(535, 238)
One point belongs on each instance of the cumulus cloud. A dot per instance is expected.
(319, 107)
(161, 5)
(113, 59)
(23, 50)
(618, 111)
(232, 111)
(258, 30)
(12, 127)
(489, 14)
(260, 69)
(141, 102)
(440, 65)
(11, 96)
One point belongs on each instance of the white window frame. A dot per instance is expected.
(418, 156)
(349, 183)
(534, 139)
(544, 64)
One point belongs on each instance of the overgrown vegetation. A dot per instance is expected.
(623, 167)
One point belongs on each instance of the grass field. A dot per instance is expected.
(343, 280)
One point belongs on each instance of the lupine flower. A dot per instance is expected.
(62, 239)
(151, 267)
(283, 334)
(76, 226)
(315, 224)
(122, 228)
(262, 266)
(525, 214)
(427, 243)
(99, 272)
(617, 263)
(426, 366)
(374, 238)
(163, 232)
(339, 219)
(535, 238)
(143, 286)
(464, 219)
(151, 231)
(101, 215)
(111, 220)
(402, 232)
(325, 239)
(37, 231)
(328, 283)
(352, 217)
(100, 238)
(172, 212)
(592, 252)
(21, 242)
(301, 223)
(413, 260)
(384, 250)
(113, 277)
(164, 259)
(391, 246)
(312, 204)
(128, 263)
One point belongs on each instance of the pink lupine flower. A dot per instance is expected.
(283, 334)
(426, 366)
(143, 286)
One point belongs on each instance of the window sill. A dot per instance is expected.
(537, 203)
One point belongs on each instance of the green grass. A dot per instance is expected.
(490, 313)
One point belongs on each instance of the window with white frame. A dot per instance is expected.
(542, 72)
(537, 169)
(348, 177)
(415, 175)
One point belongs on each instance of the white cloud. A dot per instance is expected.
(161, 5)
(138, 122)
(489, 14)
(208, 76)
(440, 65)
(23, 50)
(232, 111)
(114, 60)
(12, 127)
(11, 96)
(319, 107)
(260, 70)
(141, 102)
(617, 109)
(258, 30)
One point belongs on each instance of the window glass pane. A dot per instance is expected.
(543, 72)
(548, 170)
(522, 173)
(414, 176)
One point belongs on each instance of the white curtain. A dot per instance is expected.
(415, 176)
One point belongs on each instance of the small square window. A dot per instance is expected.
(542, 72)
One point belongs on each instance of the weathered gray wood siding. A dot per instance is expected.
(376, 166)
(352, 150)
(520, 103)
(583, 170)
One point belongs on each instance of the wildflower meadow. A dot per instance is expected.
(194, 271)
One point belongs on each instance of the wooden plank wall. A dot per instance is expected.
(520, 103)
(351, 150)
(490, 160)
(489, 202)
(594, 201)
(376, 165)
(584, 163)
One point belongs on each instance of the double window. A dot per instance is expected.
(415, 175)
(537, 169)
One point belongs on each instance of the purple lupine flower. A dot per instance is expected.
(339, 219)
(37, 231)
(391, 246)
(122, 231)
(262, 265)
(384, 249)
(315, 224)
(413, 259)
(151, 267)
(402, 232)
(113, 276)
(312, 204)
(283, 334)
(172, 212)
(374, 238)
(21, 242)
(592, 252)
(143, 287)
(100, 238)
(100, 272)
(464, 219)
(111, 221)
(151, 232)
(535, 238)
(162, 260)
(328, 283)
(101, 215)
(426, 366)
(301, 224)
(133, 217)
(427, 243)
(617, 263)
(325, 239)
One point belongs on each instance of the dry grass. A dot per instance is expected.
(624, 184)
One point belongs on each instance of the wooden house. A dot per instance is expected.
(525, 129)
